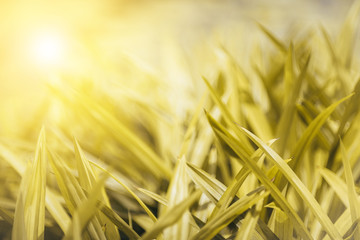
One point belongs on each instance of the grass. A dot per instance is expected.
(265, 152)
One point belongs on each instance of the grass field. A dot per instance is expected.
(241, 122)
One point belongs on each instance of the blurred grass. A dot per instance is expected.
(129, 152)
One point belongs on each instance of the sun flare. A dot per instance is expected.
(48, 49)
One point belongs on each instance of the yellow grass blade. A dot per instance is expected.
(213, 226)
(285, 129)
(154, 196)
(52, 204)
(275, 192)
(312, 130)
(30, 218)
(228, 117)
(119, 222)
(234, 186)
(171, 216)
(353, 198)
(87, 179)
(177, 192)
(211, 187)
(19, 229)
(86, 210)
(282, 226)
(73, 193)
(298, 185)
(337, 184)
(142, 204)
(281, 46)
(100, 114)
(249, 224)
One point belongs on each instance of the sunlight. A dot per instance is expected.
(48, 49)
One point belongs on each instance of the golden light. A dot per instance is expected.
(48, 49)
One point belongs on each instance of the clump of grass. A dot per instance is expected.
(273, 156)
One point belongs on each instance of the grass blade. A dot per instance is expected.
(337, 184)
(141, 203)
(275, 192)
(212, 227)
(87, 180)
(312, 130)
(178, 191)
(154, 196)
(86, 210)
(211, 187)
(31, 201)
(228, 117)
(250, 221)
(353, 199)
(281, 46)
(298, 185)
(171, 216)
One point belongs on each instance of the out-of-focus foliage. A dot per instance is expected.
(263, 150)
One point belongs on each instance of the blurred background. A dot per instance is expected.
(42, 41)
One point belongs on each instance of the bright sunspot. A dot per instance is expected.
(47, 49)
